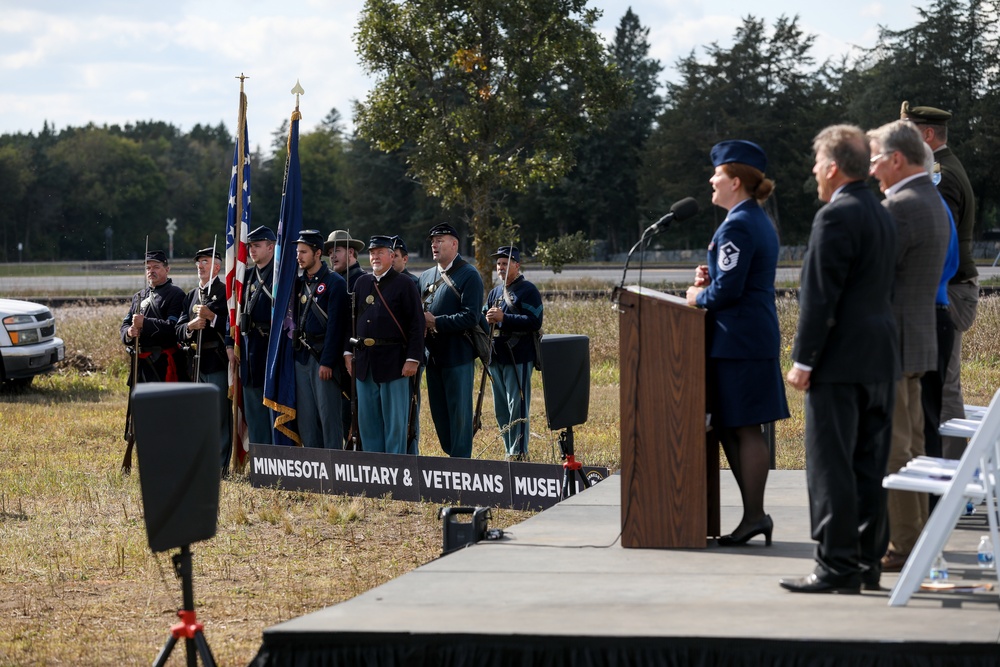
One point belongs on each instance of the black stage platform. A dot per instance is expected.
(560, 590)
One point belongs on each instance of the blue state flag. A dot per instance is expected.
(279, 381)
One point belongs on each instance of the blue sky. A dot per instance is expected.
(116, 61)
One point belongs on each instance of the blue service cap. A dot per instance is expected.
(508, 251)
(443, 229)
(208, 252)
(398, 242)
(380, 241)
(739, 150)
(311, 237)
(156, 256)
(262, 233)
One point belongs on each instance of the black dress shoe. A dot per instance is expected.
(762, 527)
(870, 581)
(813, 583)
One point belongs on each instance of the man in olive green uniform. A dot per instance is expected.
(963, 288)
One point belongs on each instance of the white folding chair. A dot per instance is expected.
(956, 482)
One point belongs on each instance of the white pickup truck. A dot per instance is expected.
(28, 343)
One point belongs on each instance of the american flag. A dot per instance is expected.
(237, 226)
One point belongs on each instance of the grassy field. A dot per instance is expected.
(78, 584)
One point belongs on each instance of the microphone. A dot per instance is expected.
(680, 211)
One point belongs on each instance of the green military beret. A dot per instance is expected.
(928, 115)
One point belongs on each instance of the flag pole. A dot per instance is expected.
(236, 388)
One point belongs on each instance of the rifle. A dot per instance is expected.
(477, 418)
(129, 426)
(201, 302)
(413, 416)
(354, 436)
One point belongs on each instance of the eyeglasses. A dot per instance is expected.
(876, 158)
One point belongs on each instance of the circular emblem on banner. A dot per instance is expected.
(369, 299)
(320, 288)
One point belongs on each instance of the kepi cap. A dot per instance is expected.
(443, 229)
(310, 237)
(398, 242)
(508, 251)
(261, 234)
(739, 150)
(924, 115)
(380, 241)
(208, 252)
(156, 256)
(342, 237)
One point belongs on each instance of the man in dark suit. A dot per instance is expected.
(846, 359)
(452, 293)
(386, 351)
(963, 287)
(922, 231)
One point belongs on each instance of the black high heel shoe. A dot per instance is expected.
(763, 527)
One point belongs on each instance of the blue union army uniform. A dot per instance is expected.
(457, 308)
(321, 312)
(255, 328)
(514, 355)
(390, 332)
(161, 307)
(214, 364)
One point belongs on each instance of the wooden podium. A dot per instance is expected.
(670, 468)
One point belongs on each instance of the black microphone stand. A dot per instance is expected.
(649, 233)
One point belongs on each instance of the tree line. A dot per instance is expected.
(96, 192)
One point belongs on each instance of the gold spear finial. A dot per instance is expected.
(297, 90)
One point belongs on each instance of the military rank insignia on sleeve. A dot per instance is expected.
(729, 256)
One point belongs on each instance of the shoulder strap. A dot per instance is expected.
(406, 338)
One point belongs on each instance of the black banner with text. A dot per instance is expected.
(523, 486)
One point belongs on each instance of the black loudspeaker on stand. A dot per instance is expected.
(177, 440)
(566, 387)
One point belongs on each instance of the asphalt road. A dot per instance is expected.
(91, 283)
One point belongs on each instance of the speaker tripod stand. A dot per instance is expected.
(572, 469)
(189, 628)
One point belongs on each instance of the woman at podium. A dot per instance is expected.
(736, 287)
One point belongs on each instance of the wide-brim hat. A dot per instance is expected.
(342, 237)
(741, 151)
(310, 237)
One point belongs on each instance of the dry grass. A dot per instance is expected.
(79, 585)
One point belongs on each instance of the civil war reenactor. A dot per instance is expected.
(255, 326)
(514, 313)
(400, 257)
(202, 329)
(152, 318)
(343, 253)
(452, 295)
(386, 351)
(321, 313)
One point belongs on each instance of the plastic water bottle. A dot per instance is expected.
(939, 570)
(985, 552)
(970, 509)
